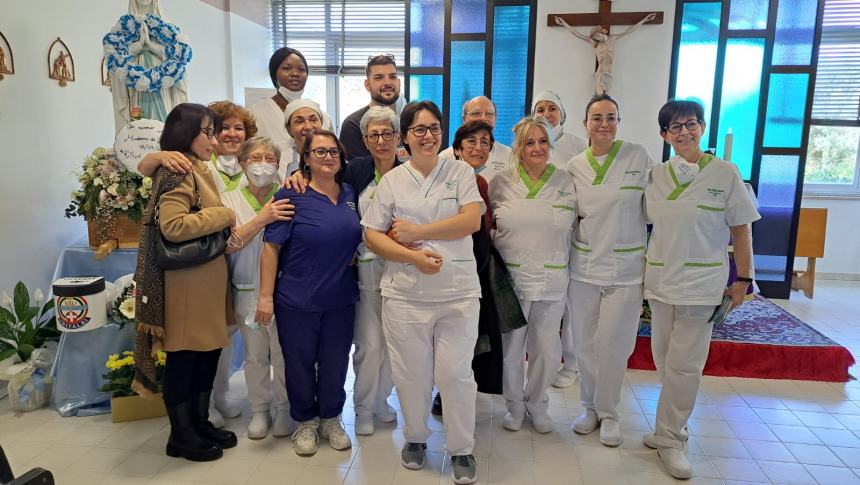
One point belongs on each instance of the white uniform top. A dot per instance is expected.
(370, 265)
(289, 162)
(221, 179)
(245, 263)
(534, 221)
(609, 241)
(568, 146)
(498, 162)
(688, 261)
(405, 194)
(271, 123)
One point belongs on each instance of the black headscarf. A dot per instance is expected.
(278, 58)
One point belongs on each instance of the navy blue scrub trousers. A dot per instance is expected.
(316, 349)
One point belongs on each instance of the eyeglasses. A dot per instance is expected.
(262, 158)
(675, 128)
(321, 152)
(374, 137)
(209, 132)
(380, 56)
(610, 120)
(471, 143)
(422, 130)
(478, 114)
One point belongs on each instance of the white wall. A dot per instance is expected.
(565, 64)
(46, 130)
(250, 49)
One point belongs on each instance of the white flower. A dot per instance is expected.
(98, 181)
(38, 296)
(127, 308)
(112, 190)
(5, 300)
(142, 84)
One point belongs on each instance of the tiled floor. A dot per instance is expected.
(742, 431)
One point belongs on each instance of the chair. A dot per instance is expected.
(36, 476)
(811, 230)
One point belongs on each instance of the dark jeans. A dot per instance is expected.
(188, 373)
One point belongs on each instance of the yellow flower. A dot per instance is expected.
(128, 352)
(161, 359)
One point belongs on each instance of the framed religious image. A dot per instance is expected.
(61, 65)
(7, 60)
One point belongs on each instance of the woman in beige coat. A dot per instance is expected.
(197, 307)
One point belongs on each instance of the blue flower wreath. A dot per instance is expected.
(123, 43)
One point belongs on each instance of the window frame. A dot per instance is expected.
(817, 189)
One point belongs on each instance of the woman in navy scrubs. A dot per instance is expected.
(315, 293)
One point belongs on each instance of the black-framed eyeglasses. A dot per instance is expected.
(422, 130)
(675, 128)
(209, 132)
(321, 152)
(390, 57)
(374, 137)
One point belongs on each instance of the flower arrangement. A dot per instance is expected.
(24, 327)
(122, 310)
(108, 188)
(120, 373)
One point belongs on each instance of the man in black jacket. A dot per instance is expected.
(384, 87)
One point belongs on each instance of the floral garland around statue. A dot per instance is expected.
(108, 188)
(123, 43)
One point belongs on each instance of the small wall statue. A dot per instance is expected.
(7, 61)
(61, 65)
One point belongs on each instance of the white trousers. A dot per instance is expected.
(680, 340)
(434, 342)
(222, 377)
(370, 361)
(567, 348)
(262, 353)
(540, 339)
(605, 323)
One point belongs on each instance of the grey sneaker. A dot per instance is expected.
(465, 469)
(412, 455)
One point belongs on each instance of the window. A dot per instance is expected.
(336, 37)
(833, 158)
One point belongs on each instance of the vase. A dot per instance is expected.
(135, 408)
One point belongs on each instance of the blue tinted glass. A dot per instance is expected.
(468, 17)
(748, 14)
(776, 192)
(426, 86)
(426, 33)
(740, 98)
(467, 78)
(777, 180)
(795, 27)
(510, 68)
(697, 56)
(786, 103)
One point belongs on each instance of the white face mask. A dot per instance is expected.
(228, 164)
(262, 174)
(557, 130)
(685, 171)
(290, 95)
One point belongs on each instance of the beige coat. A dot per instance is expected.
(197, 305)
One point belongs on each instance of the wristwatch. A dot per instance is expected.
(744, 279)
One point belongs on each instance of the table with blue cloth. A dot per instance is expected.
(81, 356)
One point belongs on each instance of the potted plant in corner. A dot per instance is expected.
(125, 404)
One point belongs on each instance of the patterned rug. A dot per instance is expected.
(761, 340)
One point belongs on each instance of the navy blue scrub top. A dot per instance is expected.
(317, 248)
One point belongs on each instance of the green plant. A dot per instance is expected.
(25, 328)
(120, 373)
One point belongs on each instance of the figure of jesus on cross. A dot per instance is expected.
(600, 38)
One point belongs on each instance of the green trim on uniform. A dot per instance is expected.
(599, 169)
(656, 263)
(679, 189)
(376, 176)
(703, 265)
(252, 199)
(709, 208)
(581, 250)
(555, 266)
(562, 207)
(230, 183)
(628, 250)
(366, 260)
(537, 185)
(513, 265)
(631, 187)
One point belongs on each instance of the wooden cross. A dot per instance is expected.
(604, 17)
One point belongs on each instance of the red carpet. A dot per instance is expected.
(761, 340)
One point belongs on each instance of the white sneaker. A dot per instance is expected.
(541, 423)
(283, 425)
(387, 414)
(215, 417)
(305, 439)
(259, 426)
(227, 409)
(610, 432)
(332, 429)
(512, 422)
(586, 422)
(565, 378)
(649, 440)
(676, 462)
(364, 424)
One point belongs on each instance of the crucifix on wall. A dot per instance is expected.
(599, 36)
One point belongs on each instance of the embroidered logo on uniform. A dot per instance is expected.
(716, 192)
(451, 184)
(632, 172)
(352, 204)
(498, 164)
(562, 193)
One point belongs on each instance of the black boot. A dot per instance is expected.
(437, 405)
(200, 405)
(184, 441)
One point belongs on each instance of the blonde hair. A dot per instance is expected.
(521, 132)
